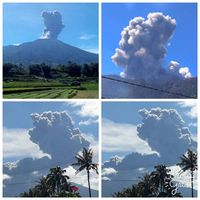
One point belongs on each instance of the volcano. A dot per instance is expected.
(48, 51)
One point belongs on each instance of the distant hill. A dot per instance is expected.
(117, 89)
(49, 51)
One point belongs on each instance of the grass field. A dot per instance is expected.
(48, 90)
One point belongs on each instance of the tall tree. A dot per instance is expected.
(146, 187)
(158, 183)
(7, 68)
(84, 161)
(55, 184)
(159, 177)
(189, 163)
(73, 69)
(42, 188)
(56, 178)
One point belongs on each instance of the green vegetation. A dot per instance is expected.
(43, 81)
(56, 182)
(160, 183)
(189, 163)
(84, 162)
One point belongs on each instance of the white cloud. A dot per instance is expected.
(17, 144)
(105, 178)
(108, 171)
(179, 71)
(81, 178)
(6, 177)
(86, 108)
(121, 137)
(88, 122)
(87, 36)
(191, 108)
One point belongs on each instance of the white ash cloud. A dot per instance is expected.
(143, 47)
(53, 24)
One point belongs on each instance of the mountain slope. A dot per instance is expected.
(117, 89)
(49, 51)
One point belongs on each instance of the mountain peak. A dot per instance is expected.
(49, 51)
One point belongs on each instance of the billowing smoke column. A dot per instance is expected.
(53, 24)
(165, 132)
(56, 128)
(142, 47)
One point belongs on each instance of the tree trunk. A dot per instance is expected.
(88, 176)
(192, 183)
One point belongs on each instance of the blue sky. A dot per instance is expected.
(22, 22)
(17, 116)
(183, 48)
(127, 113)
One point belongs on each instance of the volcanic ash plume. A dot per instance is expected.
(142, 47)
(164, 130)
(56, 128)
(53, 24)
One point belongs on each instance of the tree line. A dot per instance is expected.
(47, 71)
(160, 183)
(56, 182)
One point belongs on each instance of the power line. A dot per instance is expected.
(146, 87)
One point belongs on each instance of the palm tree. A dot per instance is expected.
(146, 187)
(84, 161)
(55, 184)
(189, 162)
(56, 178)
(42, 188)
(159, 177)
